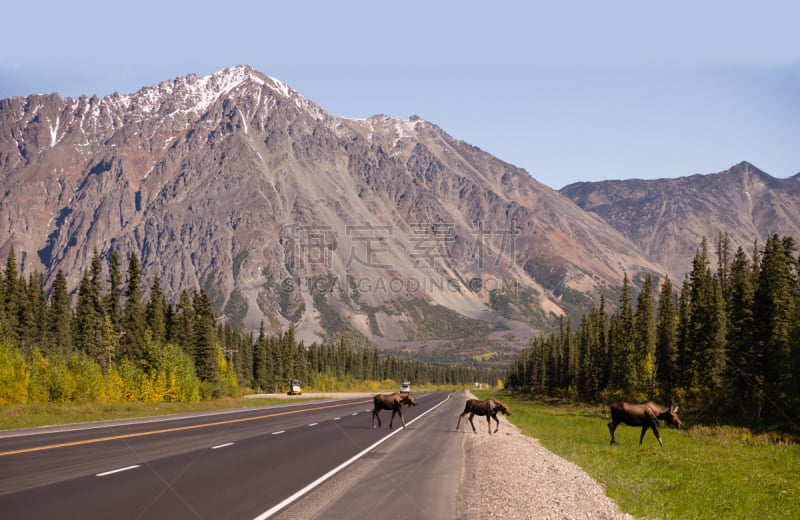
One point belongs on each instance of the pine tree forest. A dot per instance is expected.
(113, 346)
(725, 346)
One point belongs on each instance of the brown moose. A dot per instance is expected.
(646, 415)
(488, 407)
(393, 402)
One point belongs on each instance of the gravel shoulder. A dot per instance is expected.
(511, 476)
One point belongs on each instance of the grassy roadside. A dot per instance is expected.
(31, 416)
(701, 472)
(34, 415)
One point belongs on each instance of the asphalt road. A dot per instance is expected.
(241, 464)
(412, 476)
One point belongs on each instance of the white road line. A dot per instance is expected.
(313, 424)
(278, 433)
(336, 418)
(222, 445)
(268, 513)
(126, 468)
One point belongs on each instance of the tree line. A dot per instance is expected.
(726, 345)
(113, 344)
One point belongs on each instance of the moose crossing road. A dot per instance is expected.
(240, 464)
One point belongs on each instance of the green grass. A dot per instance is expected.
(701, 472)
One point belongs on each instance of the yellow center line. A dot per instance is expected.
(168, 430)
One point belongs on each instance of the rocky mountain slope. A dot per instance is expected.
(668, 218)
(379, 229)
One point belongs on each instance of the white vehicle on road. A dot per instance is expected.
(295, 387)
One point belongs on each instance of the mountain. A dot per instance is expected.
(668, 218)
(380, 230)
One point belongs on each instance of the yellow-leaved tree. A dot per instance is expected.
(14, 376)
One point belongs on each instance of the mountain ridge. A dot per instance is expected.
(237, 184)
(668, 218)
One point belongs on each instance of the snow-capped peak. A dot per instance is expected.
(210, 88)
(193, 94)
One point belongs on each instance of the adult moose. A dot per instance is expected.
(488, 407)
(393, 402)
(646, 415)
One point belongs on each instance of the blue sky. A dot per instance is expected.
(571, 91)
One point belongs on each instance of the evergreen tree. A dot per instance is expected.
(621, 342)
(3, 320)
(708, 327)
(666, 339)
(772, 310)
(723, 261)
(285, 365)
(793, 391)
(112, 297)
(238, 351)
(90, 323)
(553, 362)
(205, 342)
(299, 366)
(645, 340)
(604, 354)
(156, 313)
(36, 312)
(715, 355)
(570, 370)
(11, 298)
(700, 316)
(133, 320)
(246, 355)
(111, 343)
(742, 353)
(684, 375)
(756, 258)
(182, 330)
(590, 360)
(262, 361)
(59, 321)
(96, 281)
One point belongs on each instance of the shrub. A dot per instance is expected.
(37, 385)
(88, 377)
(62, 384)
(14, 376)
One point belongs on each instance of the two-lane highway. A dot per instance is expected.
(238, 464)
(413, 476)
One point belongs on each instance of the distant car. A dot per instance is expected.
(405, 387)
(295, 387)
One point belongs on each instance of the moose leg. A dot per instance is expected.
(459, 420)
(611, 427)
(657, 434)
(376, 416)
(489, 422)
(472, 423)
(497, 423)
(394, 411)
(644, 430)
